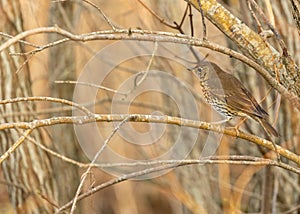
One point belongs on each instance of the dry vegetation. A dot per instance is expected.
(99, 114)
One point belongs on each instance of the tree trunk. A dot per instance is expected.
(36, 182)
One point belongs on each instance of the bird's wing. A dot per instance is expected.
(242, 100)
(238, 97)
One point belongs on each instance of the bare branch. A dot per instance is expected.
(97, 155)
(48, 99)
(176, 164)
(157, 16)
(21, 41)
(158, 37)
(41, 48)
(152, 119)
(203, 21)
(90, 85)
(260, 28)
(252, 43)
(11, 149)
(139, 82)
(109, 22)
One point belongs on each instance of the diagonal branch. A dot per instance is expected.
(250, 42)
(85, 174)
(11, 149)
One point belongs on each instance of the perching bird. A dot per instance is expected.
(229, 97)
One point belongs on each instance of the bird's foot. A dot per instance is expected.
(236, 128)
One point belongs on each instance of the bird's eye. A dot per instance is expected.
(200, 69)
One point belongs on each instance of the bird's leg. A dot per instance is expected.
(221, 121)
(237, 126)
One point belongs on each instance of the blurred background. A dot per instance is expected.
(35, 181)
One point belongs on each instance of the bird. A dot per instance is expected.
(228, 96)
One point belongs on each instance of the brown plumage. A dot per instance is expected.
(229, 97)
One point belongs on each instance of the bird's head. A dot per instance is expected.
(200, 70)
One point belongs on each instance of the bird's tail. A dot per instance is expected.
(268, 127)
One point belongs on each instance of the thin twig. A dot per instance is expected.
(191, 19)
(179, 26)
(48, 99)
(288, 61)
(203, 21)
(98, 8)
(21, 41)
(159, 37)
(272, 28)
(138, 83)
(11, 149)
(163, 21)
(90, 85)
(184, 14)
(192, 49)
(136, 174)
(55, 154)
(41, 48)
(84, 176)
(176, 26)
(24, 63)
(260, 28)
(102, 13)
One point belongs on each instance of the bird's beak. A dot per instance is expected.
(190, 69)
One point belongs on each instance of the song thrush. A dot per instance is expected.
(228, 96)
